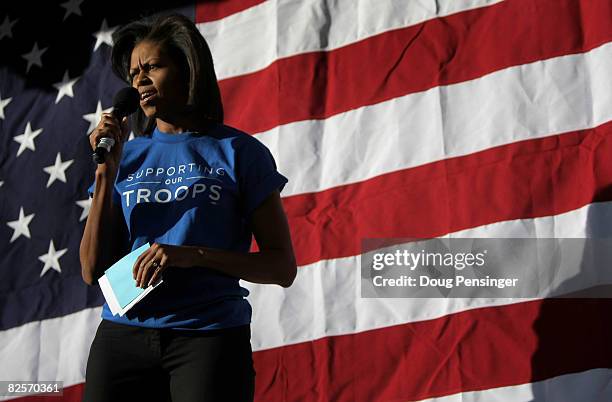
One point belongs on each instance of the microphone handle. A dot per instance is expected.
(103, 147)
(105, 144)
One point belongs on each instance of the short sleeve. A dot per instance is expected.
(116, 196)
(258, 175)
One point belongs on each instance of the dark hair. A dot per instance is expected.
(180, 37)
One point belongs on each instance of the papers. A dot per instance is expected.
(118, 284)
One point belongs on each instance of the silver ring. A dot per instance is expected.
(155, 264)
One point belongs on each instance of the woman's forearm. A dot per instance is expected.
(99, 245)
(265, 266)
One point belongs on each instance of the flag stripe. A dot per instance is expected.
(277, 29)
(469, 351)
(592, 385)
(206, 10)
(408, 60)
(445, 122)
(527, 179)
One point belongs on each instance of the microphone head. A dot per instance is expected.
(125, 102)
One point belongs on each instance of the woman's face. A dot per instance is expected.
(161, 83)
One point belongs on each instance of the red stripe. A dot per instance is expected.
(211, 10)
(441, 51)
(73, 393)
(527, 179)
(469, 351)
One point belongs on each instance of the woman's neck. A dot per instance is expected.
(180, 125)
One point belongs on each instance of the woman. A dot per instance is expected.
(196, 190)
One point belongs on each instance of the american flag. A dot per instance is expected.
(391, 119)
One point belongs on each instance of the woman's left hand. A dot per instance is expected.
(152, 263)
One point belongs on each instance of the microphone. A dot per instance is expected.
(125, 102)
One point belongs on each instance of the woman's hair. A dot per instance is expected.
(179, 36)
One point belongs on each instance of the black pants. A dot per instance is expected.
(128, 363)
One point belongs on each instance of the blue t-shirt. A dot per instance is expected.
(195, 190)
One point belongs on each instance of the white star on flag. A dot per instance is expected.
(34, 56)
(57, 170)
(3, 103)
(5, 28)
(104, 35)
(51, 259)
(86, 205)
(65, 87)
(26, 140)
(72, 7)
(20, 226)
(94, 118)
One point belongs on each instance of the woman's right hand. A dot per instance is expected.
(110, 127)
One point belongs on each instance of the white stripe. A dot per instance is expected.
(519, 103)
(587, 386)
(50, 350)
(323, 301)
(254, 38)
(325, 298)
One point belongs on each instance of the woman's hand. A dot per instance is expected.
(152, 263)
(110, 127)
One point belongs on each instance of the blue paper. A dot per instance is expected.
(121, 278)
